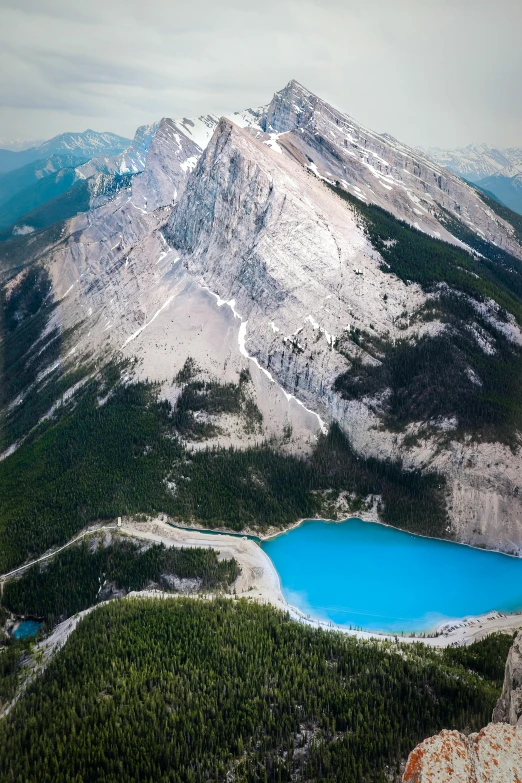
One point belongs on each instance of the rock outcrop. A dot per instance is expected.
(494, 755)
(509, 706)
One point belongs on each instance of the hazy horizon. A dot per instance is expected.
(115, 66)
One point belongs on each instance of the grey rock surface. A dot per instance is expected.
(509, 706)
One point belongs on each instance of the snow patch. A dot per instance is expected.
(190, 163)
(142, 328)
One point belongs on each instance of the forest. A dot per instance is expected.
(90, 571)
(485, 393)
(189, 691)
(96, 461)
(211, 398)
(417, 257)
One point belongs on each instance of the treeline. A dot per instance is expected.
(192, 691)
(123, 457)
(12, 652)
(24, 318)
(93, 462)
(28, 347)
(78, 577)
(412, 500)
(414, 256)
(212, 398)
(485, 393)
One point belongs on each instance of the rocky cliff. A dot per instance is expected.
(509, 706)
(494, 755)
(257, 224)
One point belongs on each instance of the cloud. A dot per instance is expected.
(431, 72)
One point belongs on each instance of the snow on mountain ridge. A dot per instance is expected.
(380, 169)
(476, 161)
(87, 142)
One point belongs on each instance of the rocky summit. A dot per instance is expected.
(493, 755)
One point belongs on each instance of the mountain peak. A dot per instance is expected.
(290, 108)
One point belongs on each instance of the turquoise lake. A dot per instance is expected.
(26, 629)
(376, 578)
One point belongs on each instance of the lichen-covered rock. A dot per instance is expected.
(494, 755)
(509, 706)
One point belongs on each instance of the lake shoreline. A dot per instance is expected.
(361, 515)
(261, 582)
(365, 517)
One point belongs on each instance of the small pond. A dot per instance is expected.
(26, 629)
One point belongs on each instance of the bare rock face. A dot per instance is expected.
(494, 755)
(257, 226)
(509, 706)
(380, 169)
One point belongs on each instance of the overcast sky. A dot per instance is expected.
(430, 72)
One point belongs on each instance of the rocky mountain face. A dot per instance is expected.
(259, 224)
(509, 706)
(494, 755)
(272, 239)
(379, 169)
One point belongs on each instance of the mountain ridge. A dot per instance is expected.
(85, 144)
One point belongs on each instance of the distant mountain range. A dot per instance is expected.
(497, 171)
(18, 145)
(83, 145)
(34, 176)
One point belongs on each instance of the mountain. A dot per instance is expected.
(506, 186)
(237, 323)
(497, 171)
(18, 145)
(32, 174)
(25, 189)
(22, 191)
(476, 161)
(347, 273)
(82, 145)
(88, 143)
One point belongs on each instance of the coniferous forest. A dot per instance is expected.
(79, 577)
(97, 460)
(160, 690)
